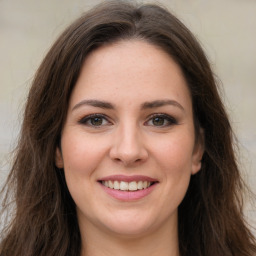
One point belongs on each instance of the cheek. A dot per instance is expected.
(175, 161)
(81, 155)
(174, 154)
(174, 158)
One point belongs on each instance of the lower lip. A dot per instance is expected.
(129, 195)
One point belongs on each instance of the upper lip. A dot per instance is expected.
(128, 178)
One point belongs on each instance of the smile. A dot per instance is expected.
(126, 186)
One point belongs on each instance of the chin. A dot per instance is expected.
(129, 231)
(130, 227)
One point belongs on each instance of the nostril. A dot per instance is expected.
(127, 153)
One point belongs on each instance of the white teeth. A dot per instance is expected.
(140, 185)
(110, 184)
(116, 185)
(125, 186)
(133, 185)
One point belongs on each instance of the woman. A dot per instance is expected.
(125, 146)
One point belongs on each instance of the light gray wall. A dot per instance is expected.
(226, 29)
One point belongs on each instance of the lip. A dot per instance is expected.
(128, 195)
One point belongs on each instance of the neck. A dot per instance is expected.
(162, 242)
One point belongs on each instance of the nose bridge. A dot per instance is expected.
(128, 146)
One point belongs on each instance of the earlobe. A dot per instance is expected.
(196, 167)
(198, 153)
(58, 158)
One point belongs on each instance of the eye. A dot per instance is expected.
(95, 120)
(161, 120)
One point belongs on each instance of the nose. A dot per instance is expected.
(128, 146)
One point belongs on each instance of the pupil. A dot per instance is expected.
(158, 121)
(96, 121)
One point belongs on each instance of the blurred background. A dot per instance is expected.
(226, 30)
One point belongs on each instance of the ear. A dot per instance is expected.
(58, 158)
(198, 153)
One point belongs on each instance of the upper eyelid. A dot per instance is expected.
(87, 117)
(161, 115)
(164, 115)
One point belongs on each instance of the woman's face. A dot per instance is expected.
(128, 145)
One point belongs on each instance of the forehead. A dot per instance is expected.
(127, 69)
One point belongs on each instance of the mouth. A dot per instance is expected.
(127, 186)
(128, 183)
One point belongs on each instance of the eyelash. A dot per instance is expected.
(88, 118)
(166, 118)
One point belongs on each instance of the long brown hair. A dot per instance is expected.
(44, 221)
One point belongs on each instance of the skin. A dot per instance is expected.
(129, 141)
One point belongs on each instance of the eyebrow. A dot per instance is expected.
(94, 103)
(161, 103)
(146, 105)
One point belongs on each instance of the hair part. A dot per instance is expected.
(211, 220)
